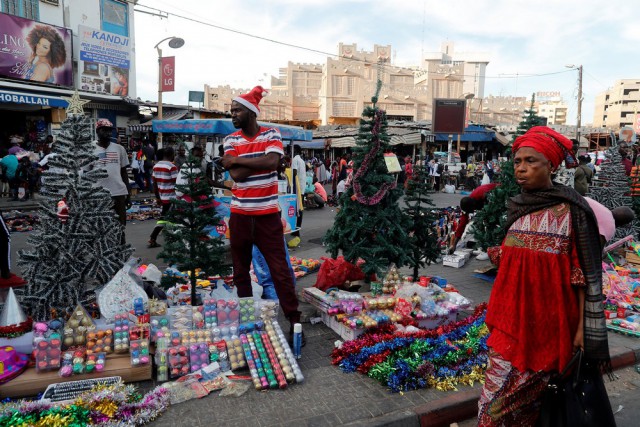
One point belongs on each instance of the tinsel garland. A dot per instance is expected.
(14, 331)
(115, 405)
(384, 188)
(440, 358)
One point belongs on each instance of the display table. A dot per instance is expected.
(30, 382)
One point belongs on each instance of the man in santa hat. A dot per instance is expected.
(252, 155)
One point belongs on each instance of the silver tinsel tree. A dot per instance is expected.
(69, 260)
(611, 188)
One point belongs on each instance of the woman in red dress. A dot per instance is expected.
(547, 298)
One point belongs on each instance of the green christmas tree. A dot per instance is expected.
(71, 256)
(371, 224)
(418, 208)
(489, 223)
(188, 244)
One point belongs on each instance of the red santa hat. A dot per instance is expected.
(252, 99)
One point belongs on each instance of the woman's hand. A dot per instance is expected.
(578, 340)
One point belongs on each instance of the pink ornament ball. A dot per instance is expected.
(41, 327)
(66, 371)
(144, 360)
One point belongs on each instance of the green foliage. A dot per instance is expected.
(419, 209)
(489, 223)
(530, 119)
(377, 232)
(188, 244)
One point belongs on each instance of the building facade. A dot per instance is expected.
(90, 48)
(618, 106)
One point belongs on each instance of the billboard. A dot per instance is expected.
(31, 50)
(449, 115)
(104, 63)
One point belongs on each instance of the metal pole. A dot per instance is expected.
(159, 140)
(579, 119)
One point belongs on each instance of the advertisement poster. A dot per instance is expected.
(288, 214)
(168, 73)
(35, 51)
(104, 63)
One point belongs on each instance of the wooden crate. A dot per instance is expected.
(30, 382)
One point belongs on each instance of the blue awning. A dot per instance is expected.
(224, 127)
(316, 144)
(471, 133)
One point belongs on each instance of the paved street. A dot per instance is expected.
(328, 396)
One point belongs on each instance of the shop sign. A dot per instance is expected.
(27, 98)
(35, 51)
(105, 61)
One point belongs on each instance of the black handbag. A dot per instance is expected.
(578, 399)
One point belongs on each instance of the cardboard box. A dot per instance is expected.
(455, 261)
(345, 333)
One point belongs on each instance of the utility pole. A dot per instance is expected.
(579, 120)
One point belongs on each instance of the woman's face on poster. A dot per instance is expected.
(43, 47)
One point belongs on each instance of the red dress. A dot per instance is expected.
(533, 311)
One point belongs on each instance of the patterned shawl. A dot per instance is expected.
(585, 230)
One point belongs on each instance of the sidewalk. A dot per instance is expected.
(329, 396)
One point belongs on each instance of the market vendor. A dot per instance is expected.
(559, 291)
(470, 204)
(7, 278)
(252, 155)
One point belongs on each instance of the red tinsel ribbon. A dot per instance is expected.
(14, 331)
(387, 332)
(384, 188)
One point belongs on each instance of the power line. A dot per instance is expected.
(164, 13)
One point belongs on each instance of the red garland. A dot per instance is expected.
(372, 361)
(364, 166)
(14, 331)
(387, 334)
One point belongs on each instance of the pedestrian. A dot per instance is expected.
(547, 301)
(113, 158)
(584, 174)
(470, 204)
(9, 164)
(408, 170)
(164, 176)
(149, 160)
(181, 155)
(623, 150)
(137, 167)
(299, 184)
(252, 156)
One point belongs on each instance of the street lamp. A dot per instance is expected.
(174, 43)
(579, 118)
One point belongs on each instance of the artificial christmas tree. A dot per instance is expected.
(489, 223)
(70, 258)
(371, 224)
(187, 243)
(612, 189)
(418, 208)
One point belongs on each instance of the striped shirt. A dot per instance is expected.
(165, 174)
(258, 194)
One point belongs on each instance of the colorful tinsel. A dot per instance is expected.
(440, 358)
(114, 405)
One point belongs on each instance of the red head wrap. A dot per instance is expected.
(552, 145)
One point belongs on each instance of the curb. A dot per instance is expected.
(464, 405)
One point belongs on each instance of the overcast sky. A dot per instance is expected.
(521, 37)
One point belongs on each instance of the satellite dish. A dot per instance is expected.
(176, 42)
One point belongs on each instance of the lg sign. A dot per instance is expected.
(168, 70)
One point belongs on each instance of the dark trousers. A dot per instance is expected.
(265, 231)
(160, 223)
(5, 250)
(298, 224)
(120, 206)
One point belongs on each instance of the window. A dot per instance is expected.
(24, 8)
(115, 17)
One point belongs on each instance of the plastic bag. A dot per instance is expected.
(152, 274)
(450, 188)
(235, 388)
(118, 295)
(334, 272)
